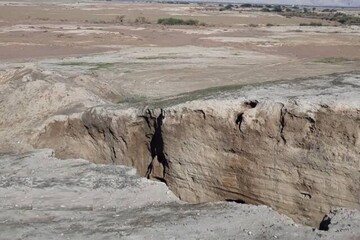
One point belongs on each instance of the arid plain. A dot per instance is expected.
(243, 106)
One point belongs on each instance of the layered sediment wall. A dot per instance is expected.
(300, 159)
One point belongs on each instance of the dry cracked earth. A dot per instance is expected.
(246, 127)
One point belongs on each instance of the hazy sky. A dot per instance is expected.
(344, 3)
(348, 3)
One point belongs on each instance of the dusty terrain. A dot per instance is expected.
(40, 30)
(247, 107)
(44, 198)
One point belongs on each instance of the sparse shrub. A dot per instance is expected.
(227, 7)
(177, 21)
(101, 22)
(265, 10)
(142, 20)
(342, 20)
(313, 24)
(346, 19)
(331, 15)
(297, 30)
(277, 9)
(119, 19)
(246, 5)
(337, 60)
(253, 25)
(43, 19)
(269, 25)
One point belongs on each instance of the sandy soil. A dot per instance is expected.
(40, 30)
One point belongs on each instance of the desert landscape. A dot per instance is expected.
(154, 120)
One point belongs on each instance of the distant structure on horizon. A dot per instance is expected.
(330, 3)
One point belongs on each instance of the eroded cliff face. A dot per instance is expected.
(292, 146)
(101, 136)
(299, 163)
(302, 161)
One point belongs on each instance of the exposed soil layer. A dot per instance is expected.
(291, 146)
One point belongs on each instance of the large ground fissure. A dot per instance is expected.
(302, 163)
